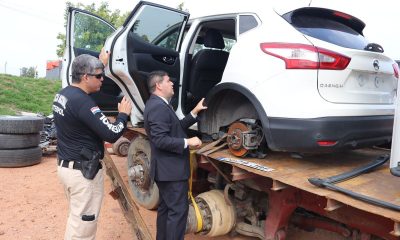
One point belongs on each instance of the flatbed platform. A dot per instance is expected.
(295, 172)
(285, 179)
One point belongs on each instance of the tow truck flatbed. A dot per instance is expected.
(295, 172)
(285, 179)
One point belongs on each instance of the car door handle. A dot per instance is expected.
(168, 60)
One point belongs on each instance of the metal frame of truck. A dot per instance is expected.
(284, 179)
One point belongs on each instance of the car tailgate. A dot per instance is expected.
(369, 78)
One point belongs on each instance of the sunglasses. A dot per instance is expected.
(98, 76)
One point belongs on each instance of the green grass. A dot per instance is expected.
(22, 94)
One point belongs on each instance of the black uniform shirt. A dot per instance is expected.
(80, 123)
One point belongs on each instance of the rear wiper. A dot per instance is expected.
(374, 47)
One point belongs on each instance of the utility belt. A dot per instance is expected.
(72, 164)
(89, 167)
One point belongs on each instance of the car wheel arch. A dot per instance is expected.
(239, 103)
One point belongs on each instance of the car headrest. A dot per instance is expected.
(213, 39)
(200, 40)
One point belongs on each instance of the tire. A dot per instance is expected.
(16, 141)
(145, 190)
(20, 157)
(20, 124)
(121, 146)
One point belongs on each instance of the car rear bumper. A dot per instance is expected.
(304, 135)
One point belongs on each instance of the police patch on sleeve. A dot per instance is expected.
(95, 110)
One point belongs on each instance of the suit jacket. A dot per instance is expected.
(169, 158)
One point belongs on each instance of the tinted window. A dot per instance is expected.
(158, 26)
(329, 30)
(246, 22)
(90, 33)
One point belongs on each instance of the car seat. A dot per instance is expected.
(207, 65)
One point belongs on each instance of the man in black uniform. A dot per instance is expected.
(81, 130)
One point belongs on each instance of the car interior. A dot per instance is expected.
(149, 50)
(204, 65)
(206, 60)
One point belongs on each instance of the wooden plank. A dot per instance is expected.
(132, 211)
(332, 205)
(277, 185)
(138, 130)
(241, 174)
(396, 229)
(379, 184)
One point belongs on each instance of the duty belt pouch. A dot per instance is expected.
(90, 166)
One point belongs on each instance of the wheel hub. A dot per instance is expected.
(139, 172)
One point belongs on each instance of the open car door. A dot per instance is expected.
(86, 34)
(149, 40)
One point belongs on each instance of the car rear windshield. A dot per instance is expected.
(342, 30)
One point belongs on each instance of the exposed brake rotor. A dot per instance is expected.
(243, 137)
(235, 139)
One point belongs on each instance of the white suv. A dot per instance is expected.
(302, 80)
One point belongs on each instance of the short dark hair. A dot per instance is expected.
(84, 64)
(154, 78)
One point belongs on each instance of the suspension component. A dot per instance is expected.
(243, 137)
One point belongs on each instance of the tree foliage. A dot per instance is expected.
(91, 40)
(29, 72)
(181, 7)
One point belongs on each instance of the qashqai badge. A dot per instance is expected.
(376, 65)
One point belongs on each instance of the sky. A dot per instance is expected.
(29, 28)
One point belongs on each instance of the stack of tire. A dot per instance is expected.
(19, 140)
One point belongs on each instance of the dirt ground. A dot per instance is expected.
(33, 206)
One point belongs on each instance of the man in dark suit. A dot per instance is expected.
(169, 155)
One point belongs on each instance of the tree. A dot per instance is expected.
(82, 36)
(29, 72)
(181, 7)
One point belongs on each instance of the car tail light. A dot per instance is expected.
(302, 56)
(396, 70)
(342, 15)
(326, 143)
